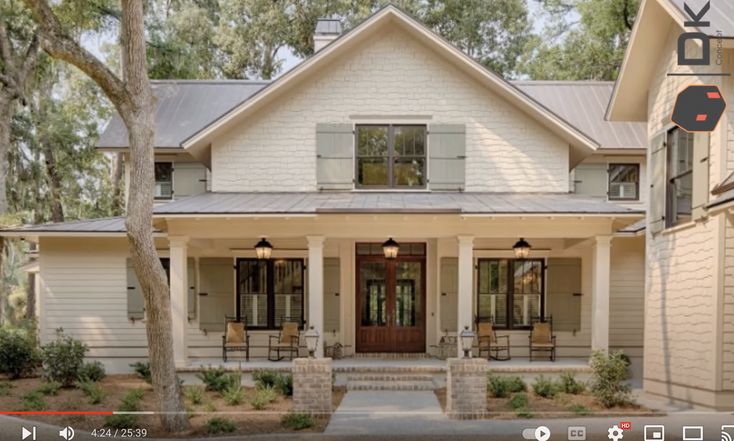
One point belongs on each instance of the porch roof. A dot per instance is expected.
(467, 203)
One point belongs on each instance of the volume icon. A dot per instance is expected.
(67, 433)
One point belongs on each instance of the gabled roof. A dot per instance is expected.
(391, 16)
(311, 203)
(583, 104)
(183, 108)
(649, 35)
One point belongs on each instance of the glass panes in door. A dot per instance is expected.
(253, 289)
(374, 295)
(493, 291)
(527, 275)
(288, 291)
(408, 293)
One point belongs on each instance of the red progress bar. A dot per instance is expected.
(104, 412)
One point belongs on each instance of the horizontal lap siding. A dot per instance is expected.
(627, 293)
(84, 291)
(728, 301)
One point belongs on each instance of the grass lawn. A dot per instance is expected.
(561, 406)
(203, 406)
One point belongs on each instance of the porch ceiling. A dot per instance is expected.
(392, 203)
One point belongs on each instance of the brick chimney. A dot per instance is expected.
(327, 30)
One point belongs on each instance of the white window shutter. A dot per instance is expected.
(700, 195)
(447, 157)
(334, 156)
(656, 211)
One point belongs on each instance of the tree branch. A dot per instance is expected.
(5, 48)
(60, 45)
(31, 57)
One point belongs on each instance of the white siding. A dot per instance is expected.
(627, 294)
(390, 75)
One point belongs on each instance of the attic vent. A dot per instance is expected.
(327, 30)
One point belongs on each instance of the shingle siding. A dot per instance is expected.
(391, 75)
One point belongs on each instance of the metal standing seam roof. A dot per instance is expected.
(391, 202)
(584, 104)
(720, 15)
(635, 227)
(102, 225)
(183, 108)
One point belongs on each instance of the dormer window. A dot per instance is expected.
(391, 156)
(163, 180)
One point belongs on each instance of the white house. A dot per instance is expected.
(388, 131)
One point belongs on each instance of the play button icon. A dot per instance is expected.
(25, 433)
(542, 433)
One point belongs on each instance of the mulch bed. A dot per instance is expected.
(246, 418)
(561, 406)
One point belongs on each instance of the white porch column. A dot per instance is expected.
(466, 272)
(600, 296)
(316, 288)
(179, 298)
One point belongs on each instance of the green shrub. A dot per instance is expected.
(49, 388)
(570, 385)
(195, 394)
(121, 421)
(19, 355)
(265, 378)
(210, 407)
(545, 387)
(142, 370)
(93, 371)
(579, 409)
(501, 387)
(216, 426)
(234, 394)
(130, 402)
(608, 384)
(297, 421)
(93, 391)
(5, 388)
(524, 413)
(217, 379)
(284, 384)
(63, 359)
(33, 401)
(263, 397)
(518, 401)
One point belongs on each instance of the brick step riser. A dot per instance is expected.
(389, 377)
(393, 386)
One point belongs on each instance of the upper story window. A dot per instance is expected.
(391, 156)
(679, 188)
(624, 182)
(163, 180)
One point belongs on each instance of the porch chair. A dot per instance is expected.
(496, 347)
(286, 342)
(541, 338)
(235, 337)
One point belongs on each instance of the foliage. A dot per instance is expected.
(195, 394)
(218, 379)
(33, 401)
(265, 378)
(93, 391)
(570, 385)
(218, 425)
(591, 48)
(122, 421)
(234, 394)
(263, 397)
(609, 380)
(518, 401)
(545, 387)
(297, 421)
(5, 388)
(502, 386)
(524, 413)
(93, 371)
(63, 359)
(579, 409)
(49, 388)
(130, 402)
(285, 384)
(18, 353)
(142, 370)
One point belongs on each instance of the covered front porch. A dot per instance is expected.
(328, 270)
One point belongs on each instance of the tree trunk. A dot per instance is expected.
(139, 118)
(118, 202)
(30, 305)
(54, 181)
(6, 117)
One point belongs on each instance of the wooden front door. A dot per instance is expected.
(391, 303)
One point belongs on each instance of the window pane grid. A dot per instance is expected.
(680, 177)
(270, 292)
(624, 181)
(391, 156)
(510, 286)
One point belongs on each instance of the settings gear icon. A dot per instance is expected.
(615, 433)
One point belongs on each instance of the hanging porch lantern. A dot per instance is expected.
(521, 249)
(263, 249)
(390, 248)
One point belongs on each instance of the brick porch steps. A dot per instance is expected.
(391, 380)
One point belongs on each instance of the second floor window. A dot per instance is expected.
(163, 180)
(624, 182)
(391, 156)
(679, 188)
